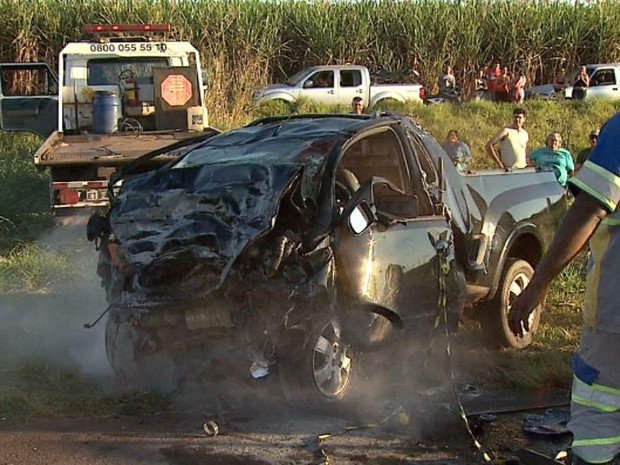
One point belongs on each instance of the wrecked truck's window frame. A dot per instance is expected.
(405, 173)
(425, 164)
(424, 160)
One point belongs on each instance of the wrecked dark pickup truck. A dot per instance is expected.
(288, 246)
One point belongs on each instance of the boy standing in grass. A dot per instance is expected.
(457, 150)
(594, 217)
(512, 140)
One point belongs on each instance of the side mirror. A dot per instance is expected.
(358, 220)
(308, 84)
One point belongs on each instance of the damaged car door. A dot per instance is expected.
(391, 265)
(387, 259)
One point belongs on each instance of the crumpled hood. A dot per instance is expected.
(195, 221)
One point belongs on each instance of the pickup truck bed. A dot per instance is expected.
(105, 149)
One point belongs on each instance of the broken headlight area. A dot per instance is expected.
(272, 295)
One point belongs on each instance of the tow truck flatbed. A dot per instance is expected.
(107, 149)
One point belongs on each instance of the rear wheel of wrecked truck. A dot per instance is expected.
(515, 278)
(136, 360)
(318, 372)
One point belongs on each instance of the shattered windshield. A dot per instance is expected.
(294, 141)
(262, 151)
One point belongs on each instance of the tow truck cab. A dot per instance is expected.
(114, 98)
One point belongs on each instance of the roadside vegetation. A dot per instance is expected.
(35, 389)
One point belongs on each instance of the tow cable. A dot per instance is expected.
(442, 246)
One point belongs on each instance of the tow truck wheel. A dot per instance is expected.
(515, 278)
(320, 372)
(135, 360)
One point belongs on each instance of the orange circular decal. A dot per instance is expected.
(176, 90)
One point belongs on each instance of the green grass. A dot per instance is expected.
(35, 267)
(24, 198)
(34, 389)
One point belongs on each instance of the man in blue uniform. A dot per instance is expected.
(594, 216)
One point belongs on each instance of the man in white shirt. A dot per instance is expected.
(512, 140)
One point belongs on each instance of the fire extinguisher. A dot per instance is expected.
(130, 89)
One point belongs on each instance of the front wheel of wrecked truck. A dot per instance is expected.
(136, 360)
(516, 275)
(319, 372)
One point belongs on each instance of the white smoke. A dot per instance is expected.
(48, 326)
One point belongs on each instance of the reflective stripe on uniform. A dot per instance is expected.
(612, 441)
(601, 184)
(595, 415)
(599, 244)
(602, 450)
(604, 398)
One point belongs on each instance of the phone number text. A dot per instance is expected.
(142, 47)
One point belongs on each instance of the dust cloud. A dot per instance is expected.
(48, 326)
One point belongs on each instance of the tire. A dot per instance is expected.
(515, 277)
(135, 360)
(320, 373)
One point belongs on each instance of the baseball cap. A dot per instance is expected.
(594, 133)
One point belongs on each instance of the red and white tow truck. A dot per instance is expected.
(127, 92)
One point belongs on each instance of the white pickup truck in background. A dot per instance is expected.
(604, 84)
(338, 85)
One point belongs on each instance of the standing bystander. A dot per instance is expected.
(580, 84)
(492, 73)
(457, 150)
(480, 86)
(560, 81)
(512, 140)
(518, 88)
(503, 87)
(553, 156)
(594, 217)
(447, 81)
(585, 153)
